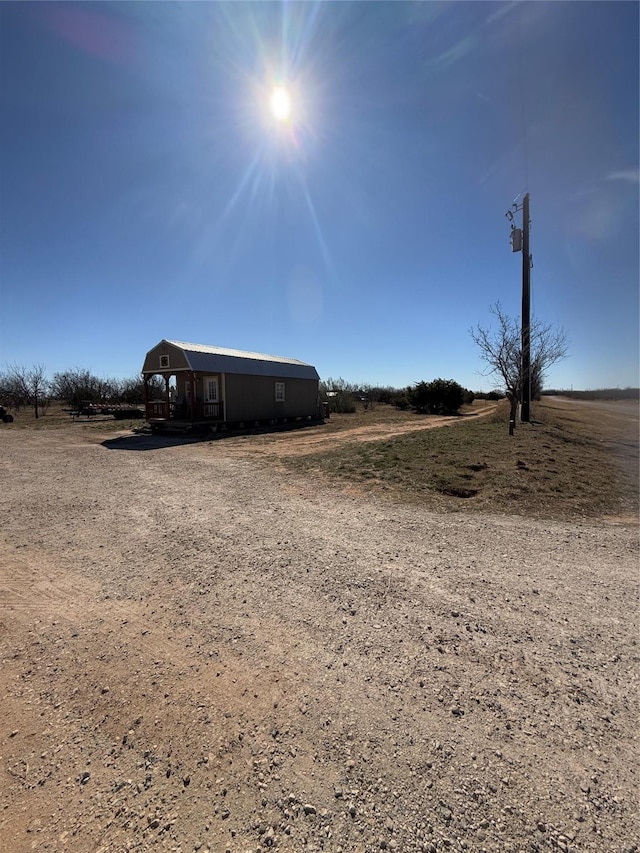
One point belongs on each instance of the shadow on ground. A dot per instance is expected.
(147, 441)
(152, 442)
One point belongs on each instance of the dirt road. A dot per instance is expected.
(321, 438)
(620, 408)
(200, 652)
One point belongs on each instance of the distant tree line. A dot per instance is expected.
(79, 385)
(22, 387)
(439, 397)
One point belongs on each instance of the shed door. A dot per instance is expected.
(211, 398)
(211, 389)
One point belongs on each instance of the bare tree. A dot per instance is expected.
(80, 385)
(29, 385)
(501, 351)
(11, 392)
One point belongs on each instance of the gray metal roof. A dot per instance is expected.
(202, 358)
(234, 353)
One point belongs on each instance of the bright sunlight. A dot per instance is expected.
(280, 103)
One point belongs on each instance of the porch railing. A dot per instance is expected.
(207, 411)
(157, 409)
(201, 411)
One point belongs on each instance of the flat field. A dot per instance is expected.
(316, 640)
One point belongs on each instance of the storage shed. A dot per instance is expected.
(208, 385)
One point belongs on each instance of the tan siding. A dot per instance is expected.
(177, 359)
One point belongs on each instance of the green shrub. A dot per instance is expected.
(401, 401)
(440, 397)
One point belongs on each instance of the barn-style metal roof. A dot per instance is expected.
(202, 359)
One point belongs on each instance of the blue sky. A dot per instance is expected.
(146, 192)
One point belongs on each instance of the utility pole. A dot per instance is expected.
(526, 314)
(520, 243)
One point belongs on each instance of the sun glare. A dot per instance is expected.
(280, 103)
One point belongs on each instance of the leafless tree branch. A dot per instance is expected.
(501, 350)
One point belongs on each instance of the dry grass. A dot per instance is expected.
(380, 413)
(570, 462)
(58, 416)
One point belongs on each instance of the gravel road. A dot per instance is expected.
(201, 652)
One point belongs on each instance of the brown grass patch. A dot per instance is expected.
(570, 462)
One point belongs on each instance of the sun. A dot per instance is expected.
(280, 104)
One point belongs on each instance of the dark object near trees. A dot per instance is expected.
(401, 401)
(440, 397)
(5, 416)
(489, 395)
(120, 413)
(86, 407)
(127, 414)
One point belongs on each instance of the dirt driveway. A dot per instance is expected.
(318, 439)
(200, 652)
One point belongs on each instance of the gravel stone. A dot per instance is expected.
(227, 595)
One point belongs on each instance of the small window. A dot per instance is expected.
(164, 361)
(279, 392)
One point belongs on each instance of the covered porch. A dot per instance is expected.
(193, 399)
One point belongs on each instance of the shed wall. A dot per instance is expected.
(254, 398)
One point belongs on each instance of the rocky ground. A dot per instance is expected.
(201, 652)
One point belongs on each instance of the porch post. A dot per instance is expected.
(146, 396)
(167, 377)
(192, 382)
